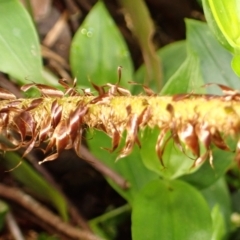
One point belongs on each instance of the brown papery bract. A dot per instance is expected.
(59, 118)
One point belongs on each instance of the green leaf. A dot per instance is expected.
(217, 196)
(98, 48)
(175, 162)
(219, 228)
(226, 16)
(19, 45)
(236, 64)
(214, 27)
(223, 19)
(3, 211)
(130, 167)
(186, 79)
(206, 175)
(25, 174)
(215, 61)
(172, 56)
(171, 210)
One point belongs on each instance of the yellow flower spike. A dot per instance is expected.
(191, 119)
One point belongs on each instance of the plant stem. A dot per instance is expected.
(139, 21)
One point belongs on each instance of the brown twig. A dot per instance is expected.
(13, 227)
(72, 209)
(5, 83)
(56, 62)
(48, 53)
(43, 213)
(74, 13)
(56, 30)
(59, 69)
(29, 217)
(71, 6)
(95, 163)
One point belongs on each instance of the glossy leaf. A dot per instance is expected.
(130, 167)
(226, 16)
(3, 211)
(170, 210)
(19, 44)
(25, 174)
(98, 48)
(215, 61)
(236, 64)
(224, 21)
(214, 26)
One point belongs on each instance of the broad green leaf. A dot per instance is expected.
(219, 228)
(130, 167)
(217, 195)
(172, 56)
(19, 45)
(227, 18)
(236, 64)
(206, 175)
(3, 211)
(171, 210)
(215, 61)
(25, 174)
(98, 48)
(224, 20)
(186, 79)
(214, 26)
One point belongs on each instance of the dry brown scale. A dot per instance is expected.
(60, 117)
